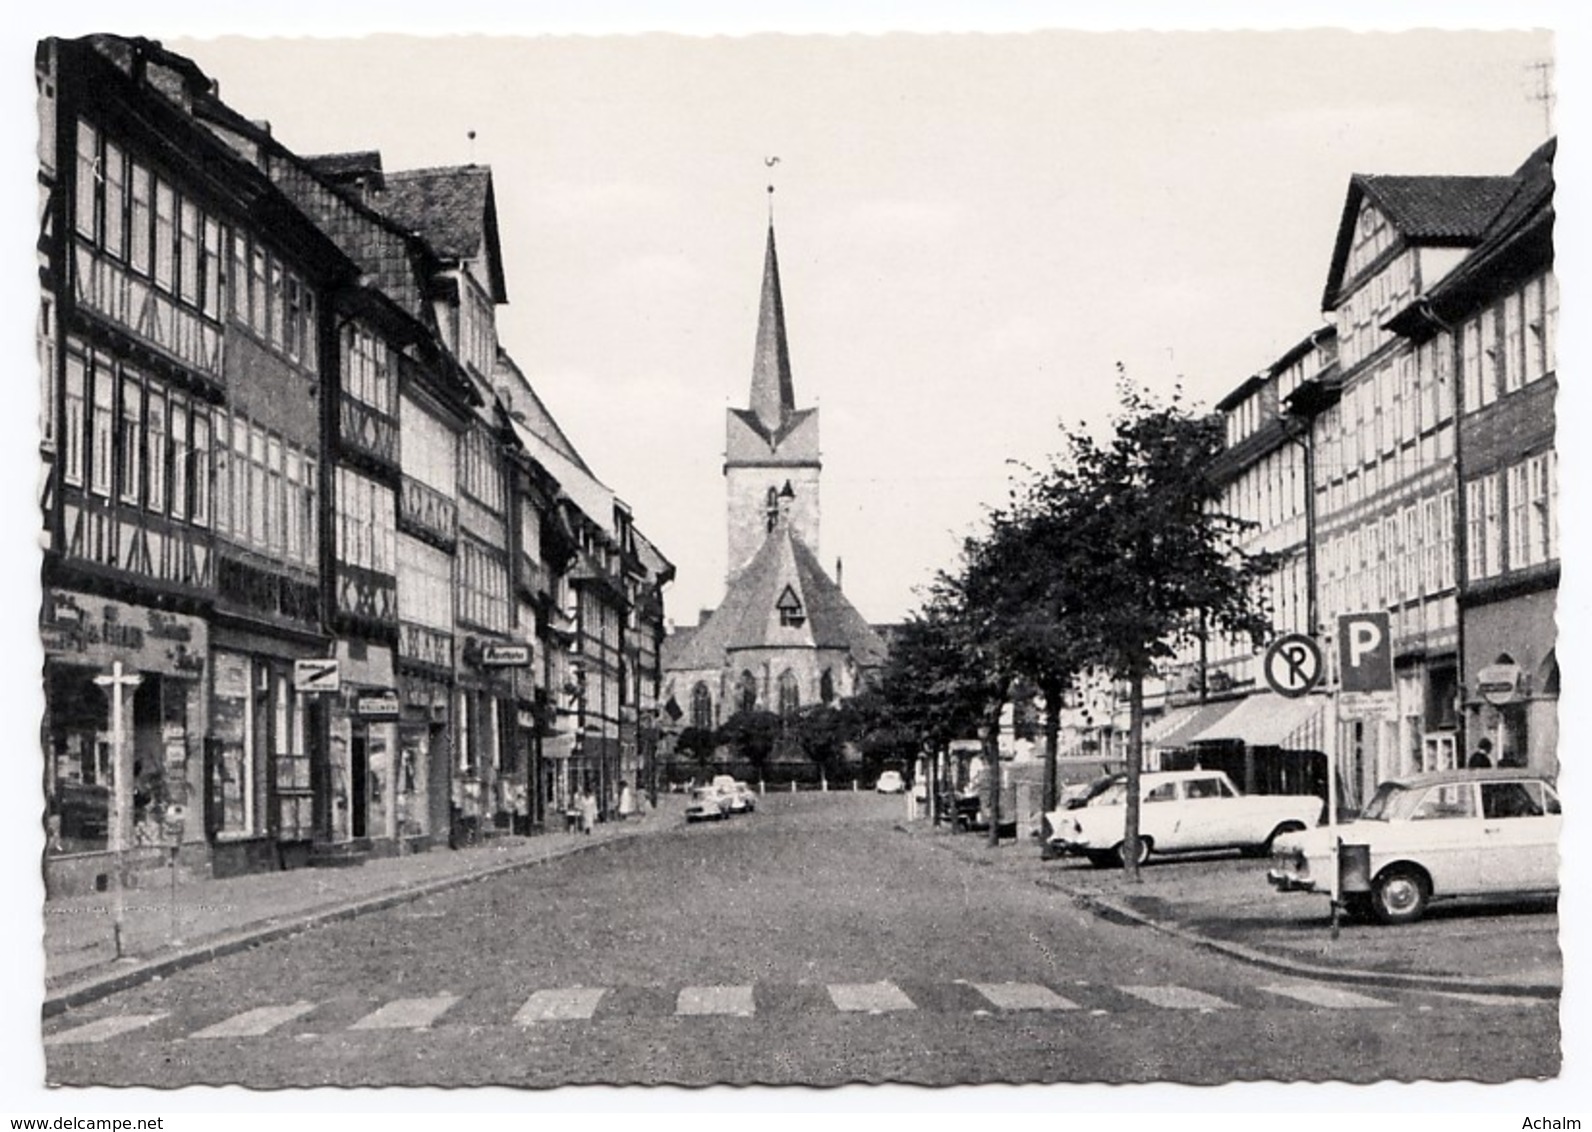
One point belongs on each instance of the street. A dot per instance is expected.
(810, 942)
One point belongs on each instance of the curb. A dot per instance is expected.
(267, 931)
(1254, 957)
(1105, 906)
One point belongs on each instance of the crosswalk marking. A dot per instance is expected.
(715, 1000)
(406, 1013)
(1024, 996)
(567, 1004)
(869, 997)
(102, 1028)
(253, 1023)
(1177, 998)
(1318, 994)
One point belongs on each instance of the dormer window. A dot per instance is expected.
(791, 615)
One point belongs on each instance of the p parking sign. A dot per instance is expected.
(1365, 652)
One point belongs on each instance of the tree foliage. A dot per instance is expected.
(752, 736)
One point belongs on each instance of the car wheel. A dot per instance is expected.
(1120, 853)
(1102, 860)
(1399, 895)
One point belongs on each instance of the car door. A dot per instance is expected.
(1520, 837)
(1444, 837)
(1158, 816)
(1202, 818)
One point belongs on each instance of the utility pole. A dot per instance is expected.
(121, 814)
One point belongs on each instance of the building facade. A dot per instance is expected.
(290, 525)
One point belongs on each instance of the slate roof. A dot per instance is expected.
(773, 391)
(1440, 210)
(453, 207)
(748, 618)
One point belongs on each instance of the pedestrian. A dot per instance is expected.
(588, 810)
(1481, 757)
(627, 800)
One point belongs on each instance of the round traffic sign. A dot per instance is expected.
(1293, 665)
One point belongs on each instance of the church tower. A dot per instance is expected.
(771, 458)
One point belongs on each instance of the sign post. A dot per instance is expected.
(122, 793)
(1365, 684)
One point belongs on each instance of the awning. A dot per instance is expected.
(1168, 723)
(1180, 734)
(1264, 719)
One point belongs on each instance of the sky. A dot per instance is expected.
(974, 229)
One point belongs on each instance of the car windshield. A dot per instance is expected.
(1391, 801)
(1113, 793)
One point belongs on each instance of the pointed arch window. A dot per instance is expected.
(790, 698)
(826, 686)
(746, 692)
(771, 509)
(702, 708)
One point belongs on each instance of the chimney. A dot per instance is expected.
(840, 573)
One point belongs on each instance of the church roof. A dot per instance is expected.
(773, 391)
(749, 616)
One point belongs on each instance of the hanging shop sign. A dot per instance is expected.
(377, 705)
(505, 656)
(317, 674)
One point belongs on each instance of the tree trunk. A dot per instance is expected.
(992, 759)
(1053, 694)
(1130, 837)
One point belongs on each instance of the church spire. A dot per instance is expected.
(773, 392)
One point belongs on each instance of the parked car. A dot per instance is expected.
(1180, 811)
(743, 799)
(890, 782)
(1491, 833)
(1088, 793)
(708, 803)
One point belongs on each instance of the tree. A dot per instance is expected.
(752, 735)
(698, 744)
(1142, 558)
(822, 731)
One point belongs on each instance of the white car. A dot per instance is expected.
(1433, 836)
(1180, 811)
(890, 782)
(708, 803)
(743, 799)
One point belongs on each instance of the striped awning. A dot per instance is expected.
(1264, 719)
(1203, 716)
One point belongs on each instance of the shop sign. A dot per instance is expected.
(505, 656)
(1499, 684)
(377, 705)
(317, 674)
(97, 631)
(1367, 705)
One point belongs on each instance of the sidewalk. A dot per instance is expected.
(211, 918)
(1225, 903)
